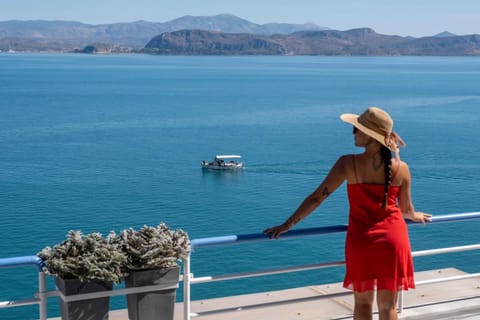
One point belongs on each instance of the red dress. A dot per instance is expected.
(377, 247)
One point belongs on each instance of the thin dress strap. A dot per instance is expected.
(355, 168)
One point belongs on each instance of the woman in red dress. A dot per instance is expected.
(377, 247)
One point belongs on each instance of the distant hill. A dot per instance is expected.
(199, 42)
(38, 35)
(445, 34)
(362, 42)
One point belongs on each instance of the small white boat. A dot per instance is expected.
(224, 162)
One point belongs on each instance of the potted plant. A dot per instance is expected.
(84, 264)
(151, 258)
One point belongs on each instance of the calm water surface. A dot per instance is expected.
(100, 143)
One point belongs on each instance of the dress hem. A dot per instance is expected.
(372, 286)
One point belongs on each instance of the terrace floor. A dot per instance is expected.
(456, 300)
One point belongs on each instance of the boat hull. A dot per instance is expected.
(226, 166)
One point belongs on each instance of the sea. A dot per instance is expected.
(100, 143)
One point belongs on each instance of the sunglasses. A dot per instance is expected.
(355, 130)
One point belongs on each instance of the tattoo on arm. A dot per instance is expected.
(325, 192)
(290, 222)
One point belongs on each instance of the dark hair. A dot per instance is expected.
(387, 157)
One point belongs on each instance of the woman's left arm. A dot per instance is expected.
(405, 198)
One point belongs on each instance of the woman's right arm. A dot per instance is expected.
(336, 176)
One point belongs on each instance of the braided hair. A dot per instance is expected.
(387, 157)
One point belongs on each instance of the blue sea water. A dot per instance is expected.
(101, 143)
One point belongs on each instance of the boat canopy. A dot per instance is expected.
(227, 156)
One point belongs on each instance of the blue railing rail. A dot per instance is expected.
(21, 262)
(256, 237)
(40, 296)
(188, 278)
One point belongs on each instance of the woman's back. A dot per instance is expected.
(369, 169)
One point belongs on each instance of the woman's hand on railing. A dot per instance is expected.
(276, 231)
(418, 216)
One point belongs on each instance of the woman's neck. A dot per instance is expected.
(372, 149)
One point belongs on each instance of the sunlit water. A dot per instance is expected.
(100, 143)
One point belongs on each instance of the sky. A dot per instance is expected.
(393, 17)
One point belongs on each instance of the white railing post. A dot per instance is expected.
(42, 289)
(400, 301)
(186, 288)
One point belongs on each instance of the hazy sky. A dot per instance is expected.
(402, 17)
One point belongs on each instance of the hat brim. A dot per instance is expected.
(353, 120)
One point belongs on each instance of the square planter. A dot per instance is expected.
(91, 309)
(154, 305)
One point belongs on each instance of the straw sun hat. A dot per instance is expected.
(377, 124)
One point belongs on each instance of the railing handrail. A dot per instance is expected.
(22, 261)
(256, 237)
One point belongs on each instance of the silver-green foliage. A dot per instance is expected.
(84, 257)
(152, 247)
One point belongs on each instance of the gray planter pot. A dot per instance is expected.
(91, 309)
(155, 305)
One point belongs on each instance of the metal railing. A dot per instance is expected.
(40, 298)
(188, 278)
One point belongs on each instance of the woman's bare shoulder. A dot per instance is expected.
(346, 163)
(346, 160)
(402, 164)
(401, 169)
(397, 163)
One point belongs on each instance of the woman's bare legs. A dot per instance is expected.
(387, 305)
(363, 305)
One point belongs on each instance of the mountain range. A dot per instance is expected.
(222, 35)
(69, 35)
